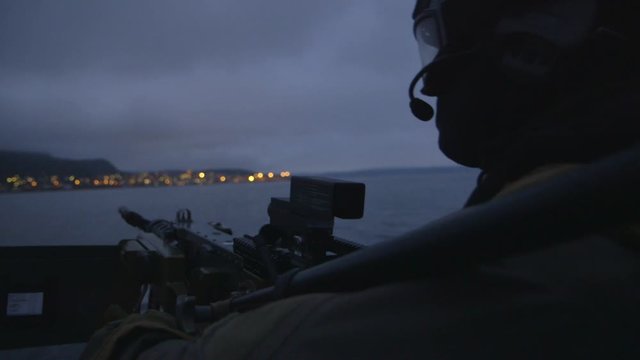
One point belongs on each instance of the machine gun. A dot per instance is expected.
(183, 269)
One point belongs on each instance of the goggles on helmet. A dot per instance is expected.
(429, 30)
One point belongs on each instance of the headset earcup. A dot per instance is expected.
(537, 43)
(527, 58)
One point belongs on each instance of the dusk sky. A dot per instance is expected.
(307, 86)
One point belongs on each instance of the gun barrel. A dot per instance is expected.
(134, 219)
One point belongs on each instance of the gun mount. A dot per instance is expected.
(184, 266)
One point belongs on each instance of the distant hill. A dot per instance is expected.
(41, 164)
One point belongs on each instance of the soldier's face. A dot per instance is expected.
(467, 111)
(480, 108)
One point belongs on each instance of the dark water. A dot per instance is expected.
(396, 202)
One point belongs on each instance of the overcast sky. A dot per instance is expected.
(154, 84)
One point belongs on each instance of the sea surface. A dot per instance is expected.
(396, 201)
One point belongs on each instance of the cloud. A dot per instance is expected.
(155, 35)
(308, 86)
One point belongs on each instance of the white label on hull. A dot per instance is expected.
(24, 304)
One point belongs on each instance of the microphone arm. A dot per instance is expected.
(419, 108)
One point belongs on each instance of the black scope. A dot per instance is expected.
(326, 197)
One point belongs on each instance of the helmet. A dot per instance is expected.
(526, 56)
(529, 43)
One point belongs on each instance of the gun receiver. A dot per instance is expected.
(183, 266)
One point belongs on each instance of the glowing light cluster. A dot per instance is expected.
(184, 178)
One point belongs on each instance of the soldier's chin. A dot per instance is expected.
(462, 151)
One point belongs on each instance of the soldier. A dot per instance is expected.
(526, 89)
(518, 93)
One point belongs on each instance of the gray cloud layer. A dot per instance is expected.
(150, 84)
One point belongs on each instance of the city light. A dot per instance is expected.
(166, 178)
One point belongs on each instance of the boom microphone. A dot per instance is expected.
(419, 108)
